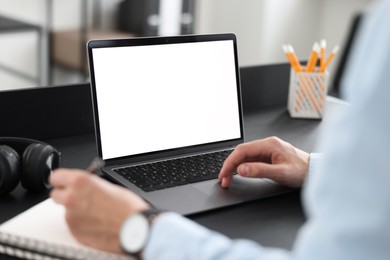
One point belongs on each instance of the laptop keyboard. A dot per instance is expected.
(175, 172)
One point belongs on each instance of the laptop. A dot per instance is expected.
(167, 112)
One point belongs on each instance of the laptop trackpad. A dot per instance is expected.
(241, 189)
(207, 195)
(182, 199)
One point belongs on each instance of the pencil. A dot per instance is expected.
(330, 58)
(288, 56)
(297, 65)
(313, 58)
(323, 49)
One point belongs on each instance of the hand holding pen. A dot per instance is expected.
(94, 208)
(60, 182)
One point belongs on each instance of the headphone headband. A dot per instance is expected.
(19, 144)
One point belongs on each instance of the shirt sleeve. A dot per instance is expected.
(175, 237)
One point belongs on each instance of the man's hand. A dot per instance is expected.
(267, 158)
(95, 208)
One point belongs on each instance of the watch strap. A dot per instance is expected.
(151, 214)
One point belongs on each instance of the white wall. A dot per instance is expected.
(263, 26)
(336, 21)
(233, 16)
(293, 21)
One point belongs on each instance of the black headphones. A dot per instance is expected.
(30, 161)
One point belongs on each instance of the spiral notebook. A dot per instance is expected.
(42, 233)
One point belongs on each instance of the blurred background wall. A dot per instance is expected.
(42, 42)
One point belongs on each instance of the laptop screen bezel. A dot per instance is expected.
(143, 41)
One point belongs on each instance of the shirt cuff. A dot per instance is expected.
(171, 234)
(314, 161)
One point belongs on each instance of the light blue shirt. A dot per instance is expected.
(346, 197)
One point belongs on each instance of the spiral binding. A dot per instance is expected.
(27, 248)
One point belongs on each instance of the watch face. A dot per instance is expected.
(134, 233)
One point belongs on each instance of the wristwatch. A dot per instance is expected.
(135, 231)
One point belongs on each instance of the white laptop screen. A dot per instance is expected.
(157, 97)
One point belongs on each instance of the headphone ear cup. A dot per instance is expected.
(38, 162)
(9, 169)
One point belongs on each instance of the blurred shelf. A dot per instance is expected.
(9, 25)
(12, 25)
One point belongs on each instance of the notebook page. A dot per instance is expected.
(45, 222)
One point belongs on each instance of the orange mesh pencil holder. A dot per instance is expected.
(307, 92)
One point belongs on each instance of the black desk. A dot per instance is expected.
(272, 221)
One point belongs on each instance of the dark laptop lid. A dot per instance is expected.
(165, 96)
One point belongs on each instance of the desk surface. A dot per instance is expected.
(272, 221)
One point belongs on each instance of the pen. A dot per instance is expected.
(95, 165)
(331, 56)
